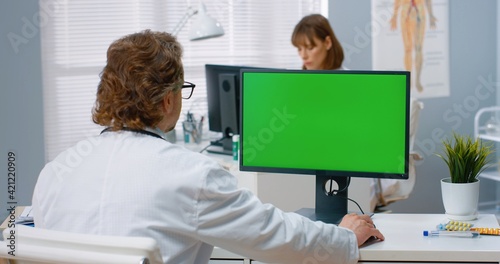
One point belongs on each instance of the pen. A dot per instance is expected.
(470, 234)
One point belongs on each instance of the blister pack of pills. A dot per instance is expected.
(455, 226)
(486, 230)
(464, 226)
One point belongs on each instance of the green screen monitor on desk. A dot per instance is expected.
(331, 124)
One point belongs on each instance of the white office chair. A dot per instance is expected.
(387, 191)
(37, 246)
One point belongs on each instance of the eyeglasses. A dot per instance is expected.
(187, 90)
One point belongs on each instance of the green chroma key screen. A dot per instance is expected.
(340, 121)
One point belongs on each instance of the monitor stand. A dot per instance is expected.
(330, 208)
(222, 146)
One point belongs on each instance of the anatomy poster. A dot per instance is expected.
(413, 35)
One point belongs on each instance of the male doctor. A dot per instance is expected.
(129, 181)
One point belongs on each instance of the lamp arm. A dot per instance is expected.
(189, 13)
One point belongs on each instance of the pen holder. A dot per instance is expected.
(192, 131)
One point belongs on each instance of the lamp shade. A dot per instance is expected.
(205, 26)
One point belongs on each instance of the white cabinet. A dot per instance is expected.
(222, 256)
(227, 261)
(487, 128)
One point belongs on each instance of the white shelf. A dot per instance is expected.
(480, 130)
(491, 173)
(489, 137)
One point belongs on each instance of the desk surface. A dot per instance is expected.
(404, 240)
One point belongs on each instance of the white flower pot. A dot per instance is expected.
(460, 200)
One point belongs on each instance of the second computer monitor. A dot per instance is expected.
(223, 97)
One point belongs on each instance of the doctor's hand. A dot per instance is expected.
(362, 226)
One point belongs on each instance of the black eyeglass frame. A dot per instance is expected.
(188, 85)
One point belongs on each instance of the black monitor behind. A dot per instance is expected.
(229, 116)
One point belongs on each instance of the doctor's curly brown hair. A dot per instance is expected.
(141, 69)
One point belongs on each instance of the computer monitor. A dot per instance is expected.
(331, 124)
(223, 87)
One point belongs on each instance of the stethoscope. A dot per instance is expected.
(140, 131)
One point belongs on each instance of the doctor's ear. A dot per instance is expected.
(168, 102)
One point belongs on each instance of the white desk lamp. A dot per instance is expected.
(203, 27)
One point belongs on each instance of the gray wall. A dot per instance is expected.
(473, 57)
(21, 110)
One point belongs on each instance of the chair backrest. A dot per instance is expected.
(415, 107)
(29, 245)
(389, 190)
(406, 186)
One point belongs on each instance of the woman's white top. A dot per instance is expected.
(130, 184)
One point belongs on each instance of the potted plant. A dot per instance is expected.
(466, 158)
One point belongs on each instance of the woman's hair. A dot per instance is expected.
(141, 69)
(316, 25)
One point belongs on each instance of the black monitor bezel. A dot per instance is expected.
(360, 174)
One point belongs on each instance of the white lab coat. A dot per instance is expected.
(130, 184)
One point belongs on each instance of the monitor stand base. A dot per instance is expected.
(219, 150)
(311, 214)
(222, 146)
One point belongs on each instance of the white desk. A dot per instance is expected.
(405, 242)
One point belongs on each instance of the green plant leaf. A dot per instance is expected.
(465, 157)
